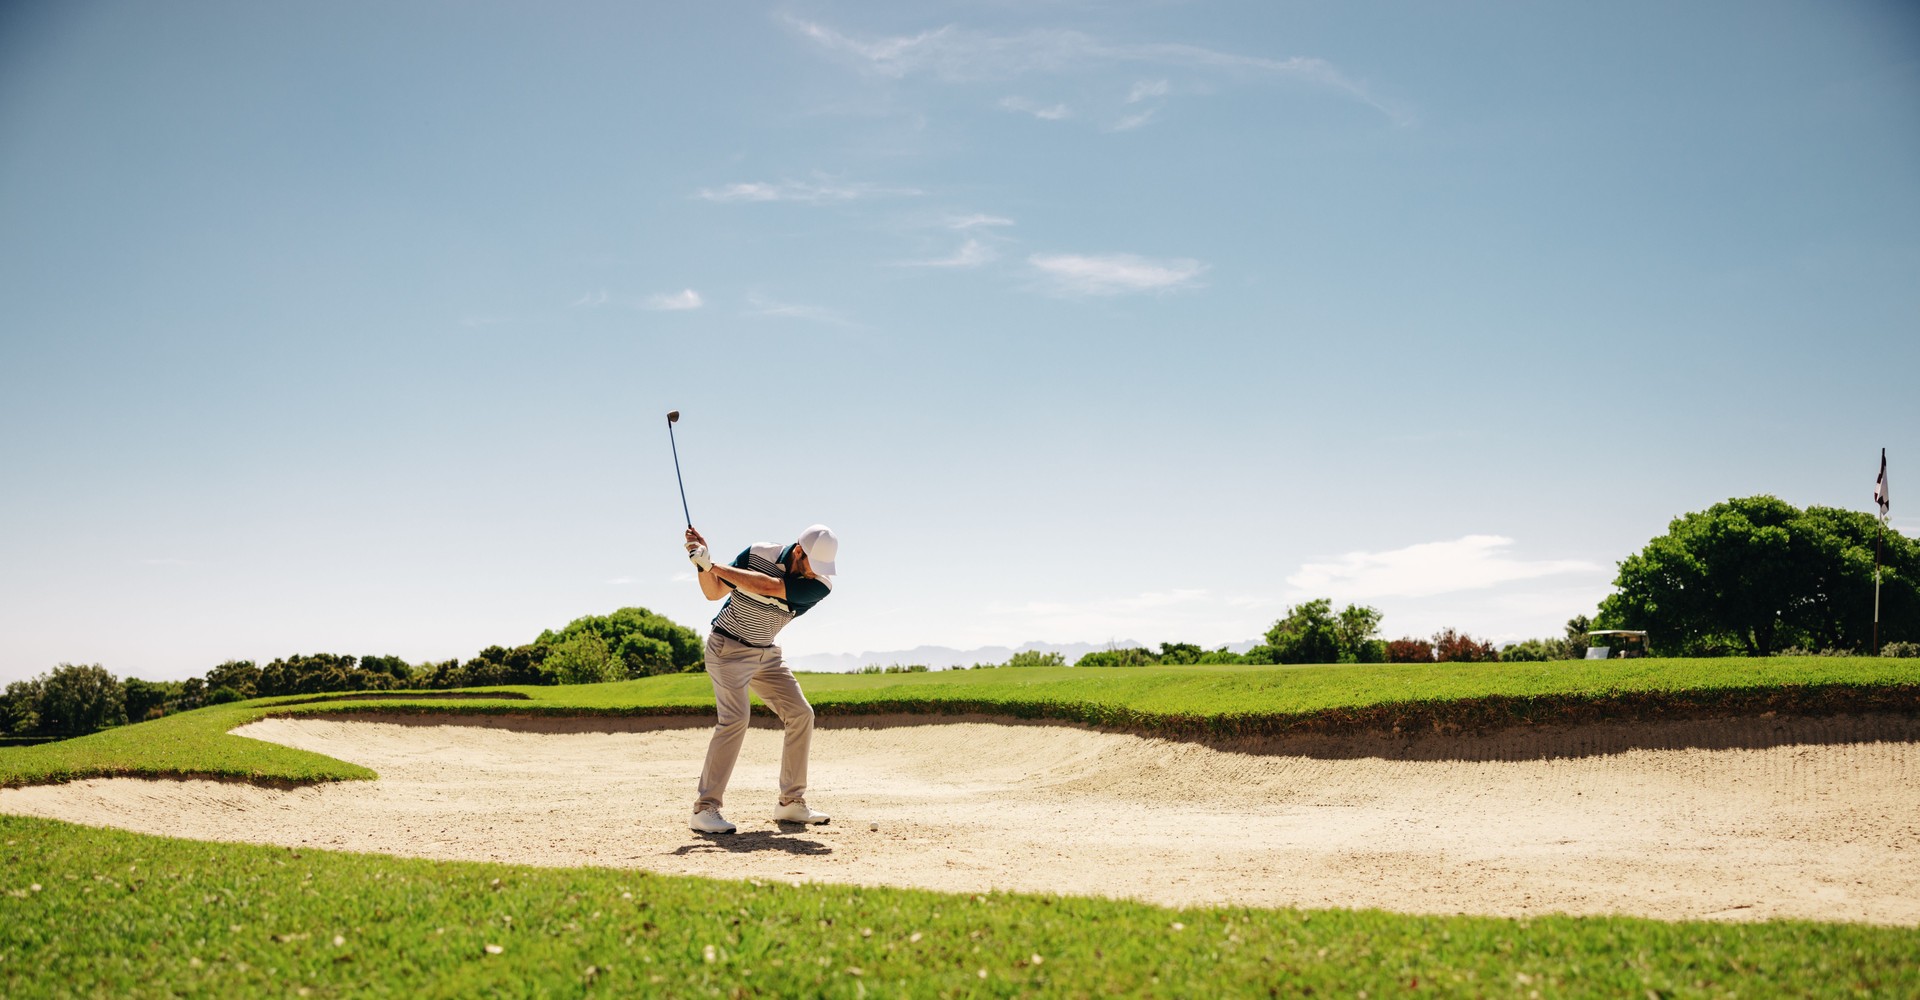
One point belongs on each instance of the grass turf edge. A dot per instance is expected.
(1328, 700)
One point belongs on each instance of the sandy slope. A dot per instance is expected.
(1746, 819)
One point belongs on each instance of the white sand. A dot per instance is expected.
(1749, 819)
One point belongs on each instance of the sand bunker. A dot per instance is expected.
(1750, 819)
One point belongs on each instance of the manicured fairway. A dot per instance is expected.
(106, 913)
(1216, 701)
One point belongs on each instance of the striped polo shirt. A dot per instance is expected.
(755, 620)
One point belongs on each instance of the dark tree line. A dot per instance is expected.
(72, 700)
(1757, 576)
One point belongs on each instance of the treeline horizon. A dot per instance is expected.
(1752, 576)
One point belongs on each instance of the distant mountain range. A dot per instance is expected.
(942, 657)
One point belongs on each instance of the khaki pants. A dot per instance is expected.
(736, 667)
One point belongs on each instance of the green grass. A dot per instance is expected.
(88, 912)
(1206, 701)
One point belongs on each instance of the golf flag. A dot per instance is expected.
(1880, 485)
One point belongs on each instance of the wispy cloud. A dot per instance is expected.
(686, 298)
(590, 299)
(965, 222)
(1471, 563)
(620, 581)
(816, 192)
(1116, 273)
(972, 253)
(957, 54)
(1147, 88)
(166, 561)
(761, 306)
(1134, 121)
(1045, 112)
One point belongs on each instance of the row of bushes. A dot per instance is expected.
(72, 700)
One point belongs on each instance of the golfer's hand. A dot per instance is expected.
(694, 540)
(701, 561)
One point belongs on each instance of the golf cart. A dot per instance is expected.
(1616, 643)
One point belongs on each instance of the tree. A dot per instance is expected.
(585, 659)
(1180, 653)
(1534, 651)
(79, 699)
(240, 675)
(1577, 628)
(1035, 658)
(496, 665)
(1450, 646)
(148, 699)
(1756, 574)
(20, 707)
(314, 673)
(1137, 656)
(1410, 650)
(1358, 629)
(646, 643)
(1309, 633)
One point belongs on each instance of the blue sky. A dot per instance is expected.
(352, 327)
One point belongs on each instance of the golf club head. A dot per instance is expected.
(673, 416)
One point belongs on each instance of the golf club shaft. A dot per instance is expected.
(676, 473)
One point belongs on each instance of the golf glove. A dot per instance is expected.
(701, 561)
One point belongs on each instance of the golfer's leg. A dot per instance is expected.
(730, 671)
(775, 684)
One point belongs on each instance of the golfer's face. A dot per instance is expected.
(800, 563)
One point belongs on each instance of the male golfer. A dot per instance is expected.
(767, 586)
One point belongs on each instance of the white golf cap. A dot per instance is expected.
(821, 545)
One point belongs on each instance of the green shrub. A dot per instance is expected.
(1137, 656)
(1035, 658)
(148, 699)
(1900, 649)
(1536, 651)
(585, 659)
(646, 643)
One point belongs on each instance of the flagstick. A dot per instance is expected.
(1876, 586)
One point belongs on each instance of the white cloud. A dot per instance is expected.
(972, 253)
(1045, 112)
(1116, 273)
(685, 298)
(1134, 121)
(815, 192)
(1471, 563)
(620, 581)
(956, 54)
(788, 310)
(1145, 89)
(590, 300)
(964, 222)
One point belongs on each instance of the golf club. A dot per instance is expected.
(673, 417)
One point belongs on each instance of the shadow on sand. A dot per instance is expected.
(752, 842)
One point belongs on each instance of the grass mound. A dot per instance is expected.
(1206, 701)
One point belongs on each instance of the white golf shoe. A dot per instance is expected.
(797, 812)
(709, 821)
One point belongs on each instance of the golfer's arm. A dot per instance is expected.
(711, 588)
(747, 580)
